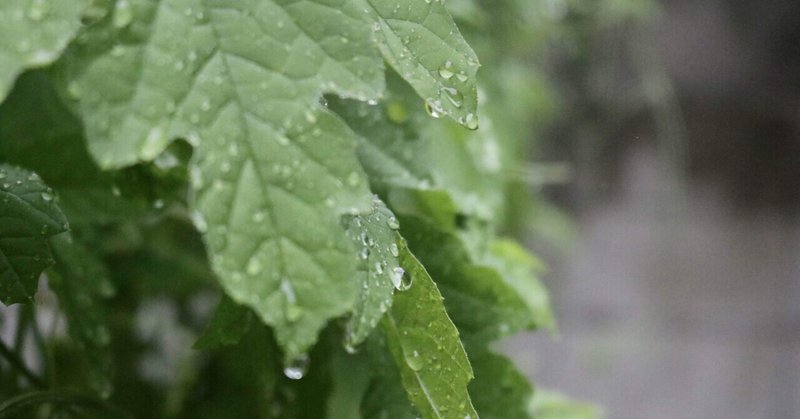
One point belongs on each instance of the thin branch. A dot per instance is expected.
(16, 362)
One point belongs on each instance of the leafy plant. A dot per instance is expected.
(317, 164)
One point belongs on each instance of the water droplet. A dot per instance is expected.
(453, 96)
(123, 14)
(433, 108)
(158, 204)
(471, 121)
(378, 268)
(258, 216)
(296, 367)
(462, 77)
(394, 250)
(393, 223)
(414, 361)
(446, 71)
(3, 175)
(47, 196)
(353, 179)
(400, 279)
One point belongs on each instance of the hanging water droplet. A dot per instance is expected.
(471, 121)
(296, 367)
(123, 14)
(414, 360)
(393, 223)
(433, 109)
(446, 71)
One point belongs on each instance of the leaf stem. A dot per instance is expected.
(61, 397)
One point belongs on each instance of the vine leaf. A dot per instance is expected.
(425, 345)
(379, 273)
(273, 169)
(33, 33)
(422, 43)
(28, 217)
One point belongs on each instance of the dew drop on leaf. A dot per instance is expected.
(446, 71)
(296, 367)
(414, 360)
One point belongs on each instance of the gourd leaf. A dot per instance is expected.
(33, 34)
(379, 272)
(425, 345)
(273, 169)
(29, 215)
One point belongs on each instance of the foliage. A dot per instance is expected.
(316, 167)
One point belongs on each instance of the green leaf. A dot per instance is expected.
(40, 134)
(28, 217)
(520, 270)
(425, 345)
(379, 273)
(552, 405)
(273, 170)
(81, 281)
(33, 34)
(227, 326)
(499, 390)
(480, 301)
(350, 374)
(421, 41)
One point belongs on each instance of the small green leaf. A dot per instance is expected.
(499, 390)
(421, 41)
(379, 273)
(28, 217)
(552, 405)
(227, 326)
(33, 33)
(425, 345)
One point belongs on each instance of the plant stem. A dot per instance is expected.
(17, 404)
(16, 362)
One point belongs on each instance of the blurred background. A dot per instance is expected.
(674, 241)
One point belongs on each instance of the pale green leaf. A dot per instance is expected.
(553, 405)
(426, 347)
(33, 33)
(29, 215)
(422, 43)
(379, 271)
(273, 170)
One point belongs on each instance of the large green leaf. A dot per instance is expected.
(28, 217)
(426, 347)
(273, 169)
(33, 33)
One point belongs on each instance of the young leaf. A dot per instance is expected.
(33, 33)
(28, 217)
(421, 41)
(379, 272)
(425, 345)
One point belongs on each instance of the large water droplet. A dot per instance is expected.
(47, 196)
(393, 223)
(446, 71)
(414, 360)
(433, 108)
(296, 367)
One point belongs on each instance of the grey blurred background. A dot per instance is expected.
(678, 293)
